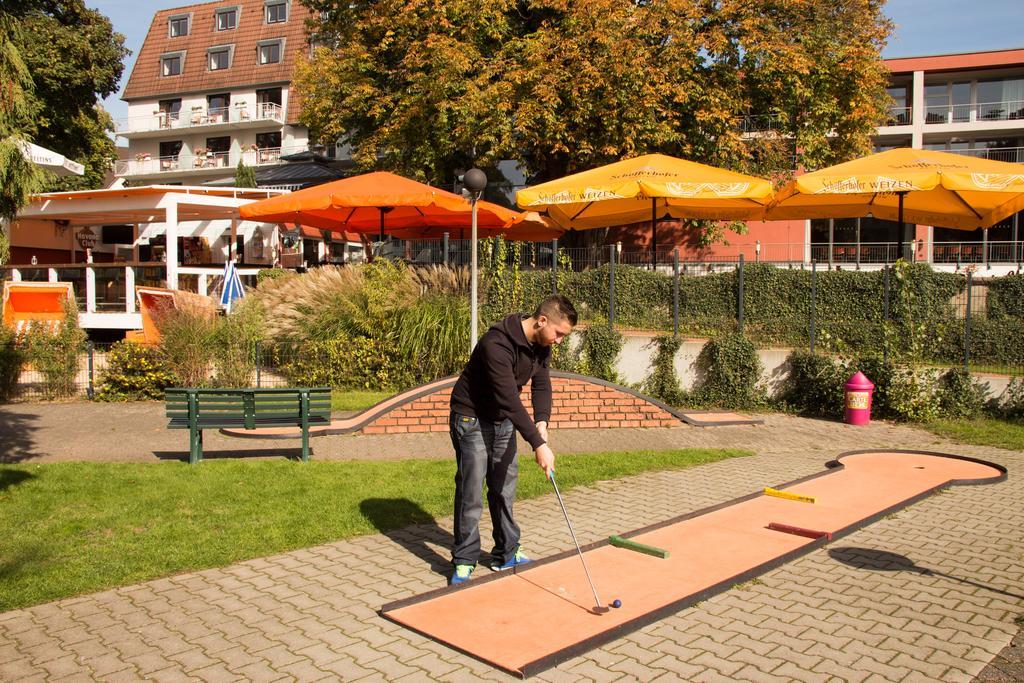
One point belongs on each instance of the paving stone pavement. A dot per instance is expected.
(928, 593)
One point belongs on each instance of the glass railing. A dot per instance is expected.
(983, 111)
(76, 276)
(944, 113)
(899, 116)
(1001, 111)
(1014, 155)
(110, 289)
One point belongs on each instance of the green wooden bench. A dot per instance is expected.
(199, 409)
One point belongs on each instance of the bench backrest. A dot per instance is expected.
(250, 404)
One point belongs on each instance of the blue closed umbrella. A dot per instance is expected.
(232, 288)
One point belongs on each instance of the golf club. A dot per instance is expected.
(598, 605)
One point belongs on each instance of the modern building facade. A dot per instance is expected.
(971, 104)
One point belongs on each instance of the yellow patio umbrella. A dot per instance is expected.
(652, 186)
(917, 185)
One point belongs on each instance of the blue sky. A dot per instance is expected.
(923, 27)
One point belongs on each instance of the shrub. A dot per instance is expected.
(731, 373)
(432, 336)
(1011, 404)
(55, 355)
(135, 372)
(567, 356)
(12, 359)
(1006, 297)
(663, 382)
(347, 363)
(599, 348)
(813, 385)
(234, 342)
(187, 344)
(960, 396)
(273, 274)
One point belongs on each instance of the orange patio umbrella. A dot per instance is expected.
(376, 202)
(528, 226)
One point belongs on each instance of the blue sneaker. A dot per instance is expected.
(518, 559)
(461, 574)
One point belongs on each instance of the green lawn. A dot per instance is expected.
(73, 528)
(982, 431)
(357, 400)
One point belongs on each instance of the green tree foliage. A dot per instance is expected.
(245, 176)
(18, 109)
(74, 58)
(424, 87)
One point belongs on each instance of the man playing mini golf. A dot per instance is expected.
(486, 411)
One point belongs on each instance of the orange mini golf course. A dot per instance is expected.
(543, 613)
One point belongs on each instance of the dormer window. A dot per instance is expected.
(269, 51)
(226, 18)
(277, 11)
(177, 25)
(219, 57)
(171, 63)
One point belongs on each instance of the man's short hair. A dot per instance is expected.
(557, 307)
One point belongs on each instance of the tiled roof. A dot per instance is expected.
(146, 81)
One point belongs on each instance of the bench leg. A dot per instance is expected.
(195, 446)
(305, 443)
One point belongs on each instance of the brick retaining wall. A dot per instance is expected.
(575, 404)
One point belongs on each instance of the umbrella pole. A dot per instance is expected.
(899, 230)
(381, 224)
(654, 233)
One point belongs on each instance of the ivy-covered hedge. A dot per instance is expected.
(925, 315)
(1006, 297)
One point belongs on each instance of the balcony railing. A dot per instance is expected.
(145, 165)
(983, 111)
(1014, 155)
(899, 116)
(199, 116)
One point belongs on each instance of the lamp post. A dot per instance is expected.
(474, 181)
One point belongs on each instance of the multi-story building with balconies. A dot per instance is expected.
(211, 87)
(971, 104)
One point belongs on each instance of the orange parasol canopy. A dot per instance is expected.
(528, 226)
(376, 202)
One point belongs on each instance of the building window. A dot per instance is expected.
(268, 140)
(220, 58)
(277, 12)
(218, 107)
(227, 19)
(177, 25)
(170, 65)
(219, 145)
(269, 52)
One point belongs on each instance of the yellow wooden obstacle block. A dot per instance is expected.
(789, 496)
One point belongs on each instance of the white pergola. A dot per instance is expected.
(153, 210)
(160, 208)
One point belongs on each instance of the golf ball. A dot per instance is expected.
(617, 603)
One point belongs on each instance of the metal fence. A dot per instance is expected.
(947, 319)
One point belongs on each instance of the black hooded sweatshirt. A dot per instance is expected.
(502, 362)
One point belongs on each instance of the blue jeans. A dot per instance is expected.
(484, 451)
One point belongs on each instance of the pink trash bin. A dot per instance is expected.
(859, 390)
